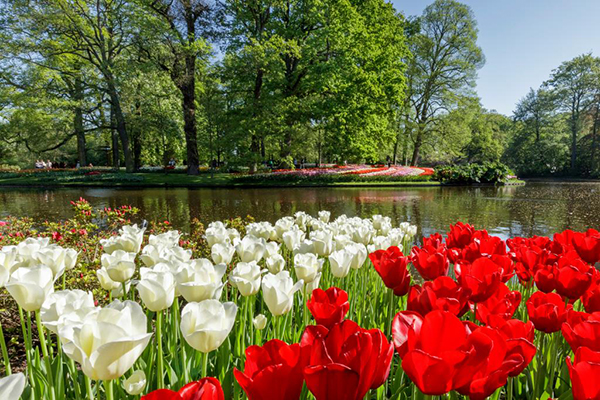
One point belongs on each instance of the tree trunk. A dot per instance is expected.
(120, 121)
(78, 123)
(137, 138)
(417, 149)
(114, 139)
(573, 142)
(255, 145)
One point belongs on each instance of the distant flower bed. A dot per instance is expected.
(359, 170)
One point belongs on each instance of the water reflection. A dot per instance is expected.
(537, 208)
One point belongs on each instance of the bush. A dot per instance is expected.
(473, 173)
(9, 168)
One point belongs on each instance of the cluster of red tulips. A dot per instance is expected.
(471, 305)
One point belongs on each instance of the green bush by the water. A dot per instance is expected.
(473, 173)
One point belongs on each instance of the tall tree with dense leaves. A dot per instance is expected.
(183, 29)
(573, 84)
(445, 61)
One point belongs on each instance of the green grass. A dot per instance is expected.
(158, 179)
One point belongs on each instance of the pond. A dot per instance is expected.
(539, 208)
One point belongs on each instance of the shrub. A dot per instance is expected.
(473, 173)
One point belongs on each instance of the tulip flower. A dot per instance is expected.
(328, 307)
(503, 302)
(519, 337)
(293, 238)
(480, 278)
(547, 311)
(359, 254)
(108, 342)
(322, 242)
(205, 389)
(200, 280)
(591, 298)
(392, 266)
(106, 283)
(167, 240)
(460, 236)
(283, 225)
(278, 292)
(246, 278)
(545, 277)
(156, 288)
(574, 276)
(120, 265)
(430, 262)
(307, 266)
(259, 322)
(347, 362)
(53, 256)
(262, 230)
(129, 240)
(584, 373)
(216, 233)
(30, 286)
(64, 307)
(206, 325)
(222, 253)
(587, 245)
(324, 215)
(275, 263)
(272, 372)
(443, 293)
(136, 383)
(405, 322)
(582, 330)
(250, 249)
(12, 386)
(339, 262)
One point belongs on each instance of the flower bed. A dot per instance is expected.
(308, 307)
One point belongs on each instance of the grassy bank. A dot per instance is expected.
(159, 179)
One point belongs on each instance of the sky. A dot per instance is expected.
(523, 41)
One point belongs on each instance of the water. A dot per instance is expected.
(534, 209)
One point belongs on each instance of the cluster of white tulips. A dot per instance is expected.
(264, 272)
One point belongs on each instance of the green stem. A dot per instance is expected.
(509, 389)
(108, 387)
(159, 355)
(4, 351)
(47, 360)
(124, 291)
(88, 388)
(205, 364)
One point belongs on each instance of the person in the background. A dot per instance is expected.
(38, 164)
(49, 164)
(172, 162)
(78, 165)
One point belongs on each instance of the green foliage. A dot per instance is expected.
(473, 173)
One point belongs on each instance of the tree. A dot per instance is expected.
(184, 28)
(573, 85)
(444, 64)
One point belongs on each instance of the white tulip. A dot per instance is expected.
(70, 258)
(222, 253)
(363, 234)
(108, 342)
(64, 307)
(275, 263)
(136, 383)
(262, 230)
(120, 265)
(271, 249)
(312, 285)
(52, 256)
(130, 240)
(233, 235)
(359, 252)
(216, 233)
(307, 266)
(106, 283)
(379, 243)
(30, 286)
(246, 278)
(292, 238)
(259, 322)
(380, 220)
(157, 288)
(324, 216)
(251, 248)
(152, 255)
(206, 325)
(305, 246)
(12, 386)
(167, 240)
(301, 219)
(8, 258)
(322, 242)
(396, 236)
(200, 280)
(278, 292)
(283, 225)
(340, 262)
(342, 241)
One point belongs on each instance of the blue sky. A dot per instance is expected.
(523, 40)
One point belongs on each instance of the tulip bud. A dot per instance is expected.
(259, 322)
(246, 278)
(120, 265)
(157, 288)
(206, 325)
(135, 384)
(275, 263)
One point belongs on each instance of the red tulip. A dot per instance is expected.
(460, 236)
(392, 265)
(519, 337)
(443, 293)
(584, 374)
(205, 389)
(582, 330)
(441, 348)
(328, 307)
(480, 279)
(574, 276)
(272, 372)
(405, 322)
(591, 298)
(587, 245)
(347, 362)
(545, 277)
(493, 373)
(547, 311)
(430, 260)
(502, 303)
